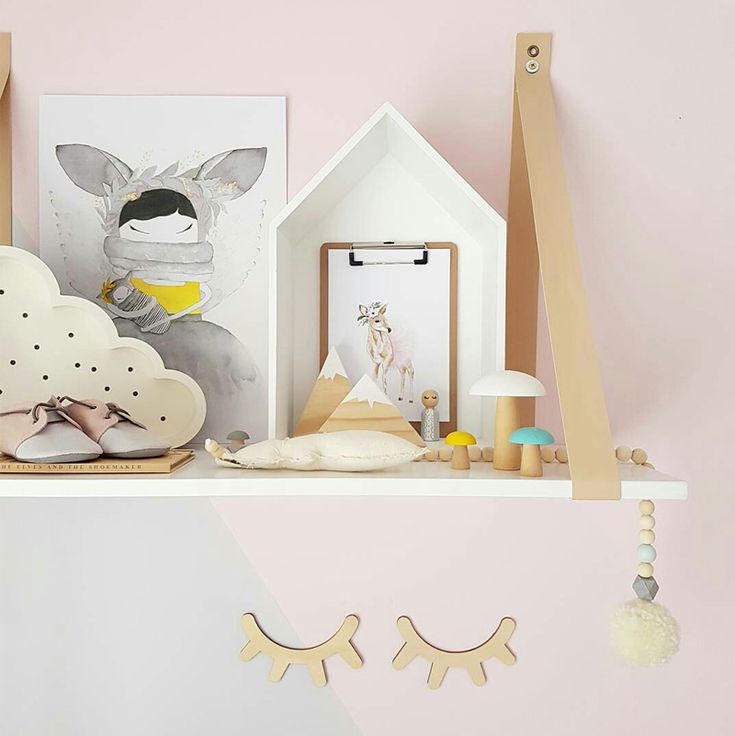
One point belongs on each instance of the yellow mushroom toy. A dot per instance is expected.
(460, 441)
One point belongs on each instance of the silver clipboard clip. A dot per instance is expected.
(390, 245)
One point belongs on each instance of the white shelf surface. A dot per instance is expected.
(202, 477)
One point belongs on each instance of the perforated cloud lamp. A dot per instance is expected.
(508, 387)
(531, 439)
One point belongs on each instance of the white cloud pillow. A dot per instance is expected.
(352, 450)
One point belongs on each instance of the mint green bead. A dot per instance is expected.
(646, 553)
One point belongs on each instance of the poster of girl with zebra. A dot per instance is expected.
(157, 209)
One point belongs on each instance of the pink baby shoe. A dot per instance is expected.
(116, 432)
(44, 433)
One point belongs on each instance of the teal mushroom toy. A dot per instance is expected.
(532, 438)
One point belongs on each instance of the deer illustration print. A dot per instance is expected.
(385, 351)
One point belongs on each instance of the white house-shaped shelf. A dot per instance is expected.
(385, 184)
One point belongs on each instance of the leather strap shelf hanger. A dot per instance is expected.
(541, 242)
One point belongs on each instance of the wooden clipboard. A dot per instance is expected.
(5, 148)
(447, 426)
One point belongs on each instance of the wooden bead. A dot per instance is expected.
(623, 453)
(561, 454)
(647, 522)
(646, 553)
(646, 507)
(445, 454)
(646, 536)
(475, 454)
(487, 454)
(432, 455)
(645, 570)
(648, 465)
(547, 454)
(639, 456)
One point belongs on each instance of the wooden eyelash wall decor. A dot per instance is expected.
(441, 659)
(313, 657)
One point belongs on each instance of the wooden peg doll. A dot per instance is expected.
(430, 416)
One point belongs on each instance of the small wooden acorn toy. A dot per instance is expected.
(430, 416)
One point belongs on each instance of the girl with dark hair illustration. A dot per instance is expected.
(161, 262)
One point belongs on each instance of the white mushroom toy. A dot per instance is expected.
(508, 387)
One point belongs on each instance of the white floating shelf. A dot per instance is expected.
(202, 477)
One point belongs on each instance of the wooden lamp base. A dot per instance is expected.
(506, 456)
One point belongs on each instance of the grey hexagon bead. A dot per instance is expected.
(645, 588)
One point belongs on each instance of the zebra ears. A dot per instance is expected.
(363, 310)
(92, 169)
(240, 168)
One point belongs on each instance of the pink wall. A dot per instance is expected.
(645, 105)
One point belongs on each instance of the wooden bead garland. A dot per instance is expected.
(646, 550)
(549, 454)
(643, 632)
(639, 456)
(444, 454)
(623, 453)
(647, 536)
(646, 507)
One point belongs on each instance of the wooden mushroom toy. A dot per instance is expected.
(531, 439)
(460, 441)
(508, 387)
(238, 439)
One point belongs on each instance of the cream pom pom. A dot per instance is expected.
(644, 633)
